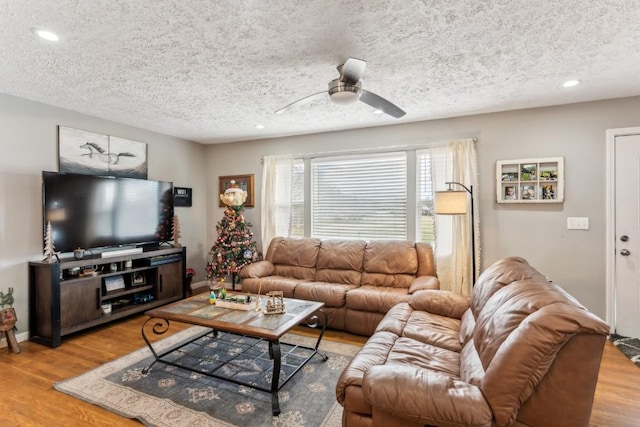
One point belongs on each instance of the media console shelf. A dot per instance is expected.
(73, 295)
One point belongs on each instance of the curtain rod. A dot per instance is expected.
(362, 150)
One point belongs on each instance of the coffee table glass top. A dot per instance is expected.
(199, 311)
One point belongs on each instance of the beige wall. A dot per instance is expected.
(29, 145)
(574, 259)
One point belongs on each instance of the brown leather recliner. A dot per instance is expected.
(520, 352)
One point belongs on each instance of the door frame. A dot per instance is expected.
(610, 244)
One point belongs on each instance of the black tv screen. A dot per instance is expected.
(89, 212)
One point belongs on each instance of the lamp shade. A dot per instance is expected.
(450, 202)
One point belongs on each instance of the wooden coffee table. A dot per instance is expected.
(256, 325)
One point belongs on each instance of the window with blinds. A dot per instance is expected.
(360, 197)
(296, 222)
(425, 218)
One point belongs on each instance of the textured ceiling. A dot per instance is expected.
(210, 71)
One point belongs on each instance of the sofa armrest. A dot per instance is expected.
(425, 397)
(422, 283)
(257, 269)
(443, 303)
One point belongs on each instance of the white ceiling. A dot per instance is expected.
(210, 71)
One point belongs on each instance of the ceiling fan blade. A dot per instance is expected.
(380, 103)
(352, 70)
(303, 101)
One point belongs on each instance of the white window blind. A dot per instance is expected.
(425, 221)
(363, 197)
(296, 225)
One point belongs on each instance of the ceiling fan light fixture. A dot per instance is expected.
(342, 93)
(344, 98)
(347, 89)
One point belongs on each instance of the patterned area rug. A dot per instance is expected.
(174, 397)
(629, 346)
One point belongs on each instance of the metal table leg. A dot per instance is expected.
(274, 352)
(159, 328)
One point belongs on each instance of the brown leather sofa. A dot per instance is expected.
(520, 352)
(358, 281)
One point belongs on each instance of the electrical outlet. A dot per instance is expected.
(577, 223)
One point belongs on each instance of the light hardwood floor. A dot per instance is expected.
(29, 399)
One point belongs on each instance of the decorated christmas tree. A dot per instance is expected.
(234, 247)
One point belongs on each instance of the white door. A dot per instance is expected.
(626, 261)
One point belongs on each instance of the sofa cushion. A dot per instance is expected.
(340, 261)
(390, 263)
(434, 330)
(294, 258)
(444, 303)
(332, 294)
(422, 326)
(293, 272)
(375, 299)
(407, 351)
(272, 283)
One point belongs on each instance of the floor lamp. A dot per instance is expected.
(454, 202)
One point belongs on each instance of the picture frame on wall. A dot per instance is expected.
(244, 182)
(536, 180)
(91, 153)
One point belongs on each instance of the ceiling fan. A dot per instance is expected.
(347, 89)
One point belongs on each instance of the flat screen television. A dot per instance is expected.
(89, 212)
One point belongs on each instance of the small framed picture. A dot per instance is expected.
(528, 192)
(528, 172)
(138, 278)
(548, 192)
(510, 192)
(510, 176)
(114, 283)
(244, 182)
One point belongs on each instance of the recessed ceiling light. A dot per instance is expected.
(259, 126)
(571, 83)
(47, 35)
(378, 111)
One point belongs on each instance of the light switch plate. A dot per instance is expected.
(577, 223)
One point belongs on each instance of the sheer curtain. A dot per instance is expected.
(276, 209)
(456, 161)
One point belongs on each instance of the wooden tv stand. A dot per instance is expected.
(66, 297)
